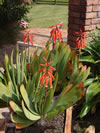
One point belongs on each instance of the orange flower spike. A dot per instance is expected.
(45, 59)
(42, 78)
(50, 82)
(47, 75)
(52, 26)
(46, 82)
(50, 62)
(56, 33)
(43, 69)
(28, 36)
(51, 76)
(52, 68)
(80, 43)
(25, 39)
(43, 65)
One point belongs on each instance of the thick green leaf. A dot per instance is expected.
(87, 59)
(17, 109)
(86, 108)
(19, 120)
(89, 81)
(92, 90)
(5, 92)
(27, 99)
(28, 114)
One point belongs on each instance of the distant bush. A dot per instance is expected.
(12, 10)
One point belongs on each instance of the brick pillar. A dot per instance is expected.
(84, 14)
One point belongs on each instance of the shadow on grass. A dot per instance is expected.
(9, 33)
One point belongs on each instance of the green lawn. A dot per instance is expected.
(44, 16)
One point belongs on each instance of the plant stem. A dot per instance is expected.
(45, 95)
(53, 46)
(28, 48)
(79, 54)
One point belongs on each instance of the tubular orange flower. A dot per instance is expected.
(28, 36)
(56, 33)
(47, 76)
(80, 43)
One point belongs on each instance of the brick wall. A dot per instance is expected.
(84, 14)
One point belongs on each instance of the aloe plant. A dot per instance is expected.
(31, 100)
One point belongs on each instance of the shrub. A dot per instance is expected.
(12, 10)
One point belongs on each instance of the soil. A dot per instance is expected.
(55, 125)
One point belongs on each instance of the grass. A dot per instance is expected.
(43, 16)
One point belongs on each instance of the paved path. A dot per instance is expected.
(41, 37)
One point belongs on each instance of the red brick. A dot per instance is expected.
(98, 14)
(92, 2)
(71, 43)
(91, 15)
(73, 38)
(90, 27)
(98, 26)
(74, 26)
(74, 14)
(72, 32)
(83, 2)
(79, 21)
(96, 8)
(87, 28)
(87, 21)
(74, 2)
(89, 9)
(93, 27)
(77, 8)
(95, 21)
(76, 21)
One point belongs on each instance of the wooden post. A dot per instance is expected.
(90, 129)
(68, 122)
